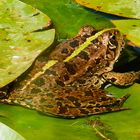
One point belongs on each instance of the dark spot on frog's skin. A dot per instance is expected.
(59, 99)
(103, 98)
(72, 98)
(113, 79)
(70, 68)
(64, 50)
(98, 104)
(90, 106)
(59, 104)
(83, 38)
(97, 110)
(88, 93)
(60, 83)
(83, 111)
(62, 110)
(35, 90)
(89, 71)
(83, 55)
(107, 63)
(92, 102)
(74, 43)
(66, 77)
(81, 81)
(96, 82)
(39, 81)
(76, 103)
(97, 61)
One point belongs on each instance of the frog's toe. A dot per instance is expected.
(122, 100)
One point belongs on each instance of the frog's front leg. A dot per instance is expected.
(122, 79)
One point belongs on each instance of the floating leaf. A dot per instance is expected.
(24, 36)
(124, 8)
(6, 132)
(130, 28)
(68, 17)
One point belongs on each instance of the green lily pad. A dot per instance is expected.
(68, 17)
(24, 36)
(124, 8)
(130, 28)
(6, 132)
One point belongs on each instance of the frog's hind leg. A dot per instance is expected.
(111, 107)
(78, 103)
(122, 79)
(69, 102)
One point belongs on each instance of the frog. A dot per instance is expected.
(71, 82)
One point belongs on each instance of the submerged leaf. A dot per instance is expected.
(124, 8)
(130, 28)
(24, 36)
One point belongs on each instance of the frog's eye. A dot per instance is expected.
(113, 42)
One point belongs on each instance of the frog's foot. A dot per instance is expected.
(122, 100)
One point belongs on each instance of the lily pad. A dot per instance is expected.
(68, 17)
(6, 132)
(124, 8)
(130, 28)
(24, 36)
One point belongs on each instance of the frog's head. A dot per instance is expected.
(87, 31)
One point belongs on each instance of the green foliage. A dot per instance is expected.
(68, 17)
(20, 42)
(124, 8)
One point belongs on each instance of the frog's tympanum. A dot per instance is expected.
(71, 82)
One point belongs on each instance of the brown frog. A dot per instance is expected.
(71, 82)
